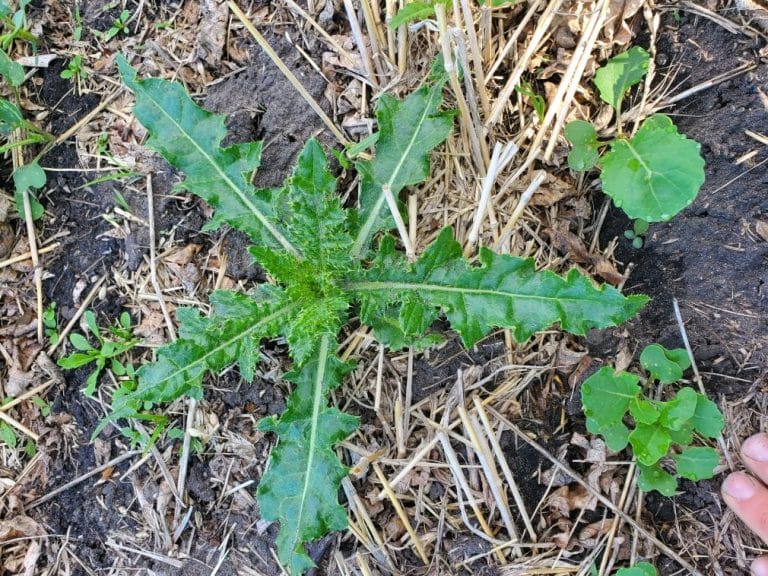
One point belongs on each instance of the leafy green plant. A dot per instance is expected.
(28, 176)
(50, 324)
(414, 11)
(77, 29)
(639, 569)
(110, 347)
(537, 100)
(74, 68)
(15, 26)
(660, 432)
(652, 175)
(323, 261)
(119, 25)
(638, 232)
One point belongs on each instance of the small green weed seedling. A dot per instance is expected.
(651, 176)
(658, 431)
(74, 69)
(29, 176)
(110, 347)
(326, 268)
(8, 434)
(118, 26)
(638, 232)
(50, 324)
(15, 26)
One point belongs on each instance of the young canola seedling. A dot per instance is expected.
(660, 432)
(651, 176)
(324, 263)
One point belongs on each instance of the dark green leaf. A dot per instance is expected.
(654, 478)
(586, 148)
(8, 436)
(80, 342)
(606, 395)
(643, 411)
(76, 360)
(707, 419)
(12, 71)
(649, 443)
(697, 463)
(655, 174)
(664, 365)
(678, 412)
(92, 381)
(620, 73)
(190, 139)
(11, 117)
(616, 434)
(684, 435)
(231, 335)
(408, 131)
(413, 11)
(505, 292)
(300, 486)
(25, 178)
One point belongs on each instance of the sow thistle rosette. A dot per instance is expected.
(324, 263)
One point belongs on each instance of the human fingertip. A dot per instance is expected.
(760, 566)
(756, 447)
(740, 486)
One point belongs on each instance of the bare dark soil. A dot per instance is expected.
(709, 258)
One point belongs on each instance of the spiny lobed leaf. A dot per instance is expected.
(189, 138)
(408, 131)
(231, 335)
(505, 291)
(302, 479)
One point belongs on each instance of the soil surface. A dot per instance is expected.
(712, 258)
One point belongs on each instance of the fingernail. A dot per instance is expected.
(756, 448)
(739, 486)
(760, 567)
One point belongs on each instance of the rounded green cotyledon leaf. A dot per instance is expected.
(606, 395)
(616, 434)
(654, 175)
(644, 411)
(666, 366)
(649, 443)
(707, 418)
(654, 478)
(620, 73)
(586, 148)
(678, 412)
(697, 463)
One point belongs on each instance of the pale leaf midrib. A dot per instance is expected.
(380, 286)
(362, 236)
(223, 175)
(317, 402)
(224, 344)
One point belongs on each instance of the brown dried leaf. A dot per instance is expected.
(212, 31)
(616, 26)
(761, 227)
(566, 242)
